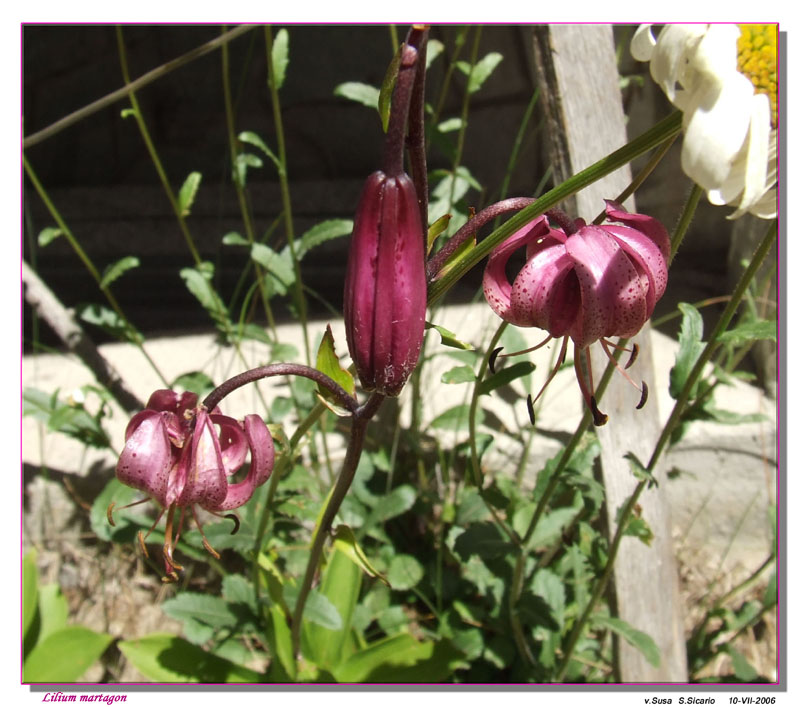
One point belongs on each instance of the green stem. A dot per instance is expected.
(683, 223)
(662, 131)
(283, 178)
(672, 421)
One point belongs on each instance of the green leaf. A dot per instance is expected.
(278, 266)
(771, 592)
(30, 590)
(505, 376)
(480, 71)
(481, 539)
(690, 346)
(163, 657)
(395, 503)
(188, 192)
(340, 587)
(399, 659)
(234, 238)
(253, 139)
(108, 320)
(279, 638)
(242, 163)
(754, 330)
(459, 374)
(53, 610)
(319, 609)
(344, 541)
(449, 125)
(387, 87)
(322, 232)
(328, 363)
(449, 338)
(550, 587)
(358, 92)
(280, 57)
(113, 271)
(434, 49)
(404, 572)
(640, 471)
(453, 418)
(48, 235)
(198, 282)
(437, 228)
(207, 608)
(638, 639)
(125, 524)
(741, 667)
(64, 655)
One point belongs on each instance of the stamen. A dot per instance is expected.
(206, 544)
(110, 509)
(587, 389)
(524, 351)
(169, 546)
(562, 354)
(642, 389)
(229, 516)
(634, 355)
(493, 358)
(141, 543)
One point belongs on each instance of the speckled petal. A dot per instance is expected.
(651, 227)
(205, 472)
(147, 458)
(170, 401)
(232, 443)
(613, 296)
(262, 453)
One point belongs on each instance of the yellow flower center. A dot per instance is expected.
(757, 50)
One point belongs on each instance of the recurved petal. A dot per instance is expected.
(147, 458)
(170, 401)
(652, 228)
(496, 287)
(612, 294)
(262, 460)
(205, 471)
(545, 293)
(232, 443)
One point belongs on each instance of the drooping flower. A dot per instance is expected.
(724, 79)
(176, 456)
(385, 291)
(586, 284)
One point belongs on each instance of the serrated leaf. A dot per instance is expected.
(64, 655)
(754, 330)
(198, 282)
(108, 320)
(280, 57)
(188, 192)
(113, 271)
(459, 374)
(404, 572)
(640, 471)
(253, 139)
(278, 266)
(163, 657)
(449, 338)
(638, 639)
(358, 92)
(345, 542)
(505, 376)
(690, 346)
(322, 232)
(48, 235)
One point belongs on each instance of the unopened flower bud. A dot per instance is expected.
(385, 289)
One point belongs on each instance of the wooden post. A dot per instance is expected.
(579, 83)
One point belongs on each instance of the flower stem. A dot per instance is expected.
(394, 143)
(666, 432)
(361, 418)
(418, 38)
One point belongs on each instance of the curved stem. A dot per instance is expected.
(394, 143)
(471, 228)
(344, 398)
(361, 418)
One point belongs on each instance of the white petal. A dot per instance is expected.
(716, 124)
(643, 43)
(756, 162)
(670, 65)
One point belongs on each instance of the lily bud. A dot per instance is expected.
(385, 292)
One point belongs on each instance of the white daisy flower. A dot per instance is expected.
(724, 79)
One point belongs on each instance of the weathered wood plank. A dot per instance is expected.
(578, 78)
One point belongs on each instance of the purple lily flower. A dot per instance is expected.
(174, 454)
(587, 285)
(385, 292)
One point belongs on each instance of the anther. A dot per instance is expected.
(634, 355)
(600, 418)
(235, 520)
(531, 414)
(211, 550)
(643, 399)
(109, 511)
(140, 535)
(493, 358)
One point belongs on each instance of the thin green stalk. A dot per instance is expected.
(512, 160)
(460, 41)
(672, 421)
(286, 200)
(233, 147)
(662, 131)
(683, 223)
(54, 212)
